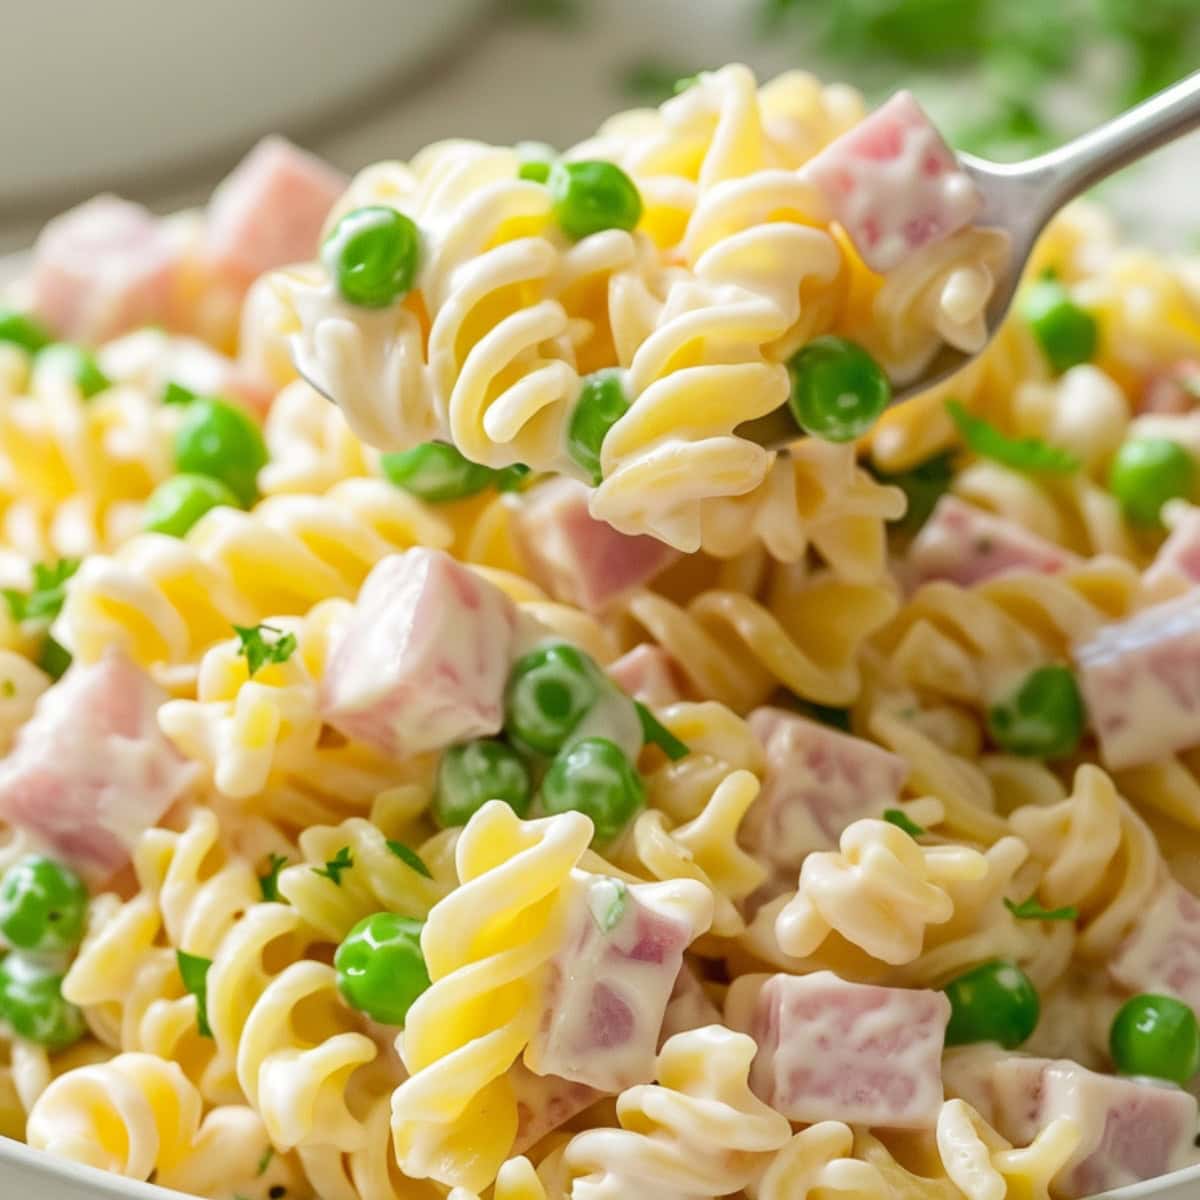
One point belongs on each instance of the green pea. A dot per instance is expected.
(32, 1004)
(1156, 1036)
(43, 904)
(838, 391)
(436, 472)
(372, 254)
(380, 967)
(600, 406)
(1043, 718)
(20, 329)
(596, 778)
(77, 365)
(1066, 333)
(472, 774)
(179, 502)
(221, 441)
(550, 690)
(1146, 473)
(592, 196)
(995, 1002)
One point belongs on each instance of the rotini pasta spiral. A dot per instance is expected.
(698, 1132)
(879, 892)
(806, 637)
(1098, 855)
(139, 1115)
(986, 1167)
(818, 1161)
(486, 946)
(164, 599)
(705, 849)
(379, 880)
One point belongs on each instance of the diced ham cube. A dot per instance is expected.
(269, 212)
(1173, 391)
(610, 985)
(689, 1007)
(893, 184)
(829, 1050)
(818, 781)
(577, 558)
(91, 770)
(966, 545)
(647, 674)
(1162, 954)
(1141, 680)
(1176, 566)
(103, 268)
(544, 1102)
(1132, 1129)
(423, 660)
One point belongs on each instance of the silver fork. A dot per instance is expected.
(1020, 198)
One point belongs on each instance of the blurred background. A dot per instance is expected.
(158, 100)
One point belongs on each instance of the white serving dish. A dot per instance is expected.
(27, 1175)
(126, 90)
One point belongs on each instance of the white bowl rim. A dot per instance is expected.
(108, 1186)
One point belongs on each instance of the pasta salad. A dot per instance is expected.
(445, 755)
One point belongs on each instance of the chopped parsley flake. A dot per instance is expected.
(343, 860)
(901, 820)
(269, 883)
(193, 970)
(259, 649)
(657, 734)
(1032, 910)
(1021, 454)
(44, 601)
(411, 857)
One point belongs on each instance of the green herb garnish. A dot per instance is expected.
(258, 649)
(901, 820)
(269, 883)
(1021, 454)
(45, 599)
(657, 734)
(411, 857)
(1032, 910)
(332, 870)
(193, 970)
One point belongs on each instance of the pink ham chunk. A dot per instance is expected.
(544, 1102)
(1141, 680)
(1162, 954)
(647, 674)
(610, 986)
(829, 1050)
(269, 212)
(894, 185)
(424, 659)
(966, 545)
(818, 781)
(1173, 391)
(102, 269)
(91, 771)
(1176, 566)
(577, 558)
(1132, 1129)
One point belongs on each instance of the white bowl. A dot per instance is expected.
(24, 1173)
(104, 93)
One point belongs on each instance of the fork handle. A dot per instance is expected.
(1067, 171)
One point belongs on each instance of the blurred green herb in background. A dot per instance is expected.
(1018, 53)
(994, 72)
